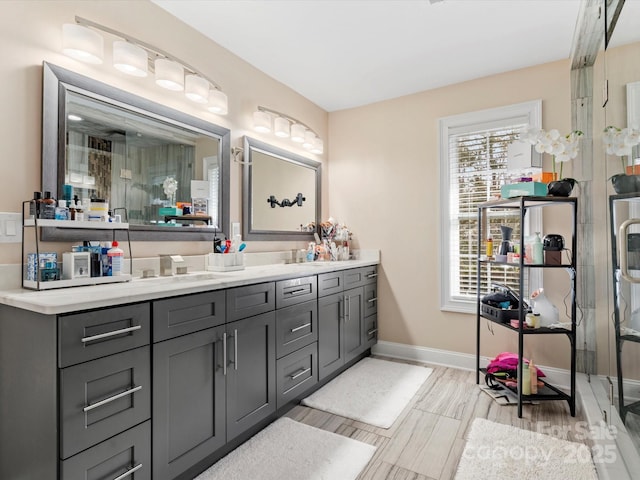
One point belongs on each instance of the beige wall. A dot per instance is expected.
(385, 186)
(31, 32)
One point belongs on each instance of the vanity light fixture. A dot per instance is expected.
(286, 126)
(135, 57)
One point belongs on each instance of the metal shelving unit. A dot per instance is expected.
(36, 224)
(524, 204)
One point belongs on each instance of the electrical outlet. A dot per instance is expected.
(10, 227)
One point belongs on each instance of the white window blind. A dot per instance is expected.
(473, 157)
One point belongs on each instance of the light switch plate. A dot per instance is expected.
(10, 227)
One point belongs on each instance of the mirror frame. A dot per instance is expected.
(248, 232)
(57, 81)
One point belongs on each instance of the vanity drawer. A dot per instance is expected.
(103, 397)
(370, 299)
(296, 327)
(98, 333)
(129, 451)
(330, 283)
(296, 290)
(177, 316)
(357, 277)
(297, 373)
(371, 330)
(243, 302)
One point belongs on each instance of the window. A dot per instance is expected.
(473, 167)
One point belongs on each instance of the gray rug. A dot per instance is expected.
(288, 450)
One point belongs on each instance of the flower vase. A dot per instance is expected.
(626, 183)
(561, 188)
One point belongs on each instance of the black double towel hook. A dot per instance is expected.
(286, 202)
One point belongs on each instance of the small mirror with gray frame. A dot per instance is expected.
(281, 193)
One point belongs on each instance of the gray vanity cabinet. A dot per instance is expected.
(347, 324)
(189, 396)
(251, 372)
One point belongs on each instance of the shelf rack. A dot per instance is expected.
(37, 223)
(523, 204)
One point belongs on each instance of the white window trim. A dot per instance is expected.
(532, 111)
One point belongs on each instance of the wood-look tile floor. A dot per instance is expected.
(427, 439)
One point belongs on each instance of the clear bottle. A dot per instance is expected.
(62, 212)
(116, 258)
(311, 252)
(526, 379)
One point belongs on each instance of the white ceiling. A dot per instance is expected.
(346, 53)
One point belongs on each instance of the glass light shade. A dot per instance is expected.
(297, 133)
(261, 121)
(196, 88)
(281, 127)
(82, 43)
(169, 74)
(218, 102)
(318, 146)
(130, 59)
(309, 139)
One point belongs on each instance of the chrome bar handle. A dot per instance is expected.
(372, 331)
(128, 472)
(300, 373)
(299, 290)
(372, 275)
(110, 334)
(347, 308)
(371, 300)
(623, 250)
(235, 349)
(224, 354)
(111, 399)
(294, 330)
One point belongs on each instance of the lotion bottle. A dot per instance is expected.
(116, 257)
(533, 373)
(526, 379)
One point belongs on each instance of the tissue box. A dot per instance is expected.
(524, 189)
(48, 266)
(169, 211)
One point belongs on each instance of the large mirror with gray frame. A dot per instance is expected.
(281, 194)
(100, 142)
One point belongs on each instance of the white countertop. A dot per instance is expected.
(142, 289)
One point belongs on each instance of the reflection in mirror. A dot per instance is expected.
(103, 143)
(281, 194)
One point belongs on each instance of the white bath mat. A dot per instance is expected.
(497, 451)
(287, 449)
(373, 391)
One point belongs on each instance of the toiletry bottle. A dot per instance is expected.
(533, 373)
(48, 210)
(62, 212)
(489, 247)
(34, 206)
(537, 249)
(79, 212)
(116, 257)
(311, 252)
(526, 379)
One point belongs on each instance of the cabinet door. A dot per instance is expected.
(177, 316)
(330, 331)
(188, 401)
(330, 283)
(251, 372)
(354, 339)
(243, 302)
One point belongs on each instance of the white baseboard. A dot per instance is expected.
(464, 361)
